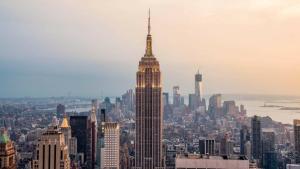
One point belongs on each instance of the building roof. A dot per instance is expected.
(64, 123)
(198, 161)
(4, 137)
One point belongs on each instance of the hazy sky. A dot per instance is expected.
(92, 47)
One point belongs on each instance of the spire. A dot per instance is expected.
(148, 52)
(65, 123)
(149, 23)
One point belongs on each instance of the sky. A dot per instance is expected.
(92, 47)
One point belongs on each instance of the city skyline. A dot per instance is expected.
(234, 44)
(102, 115)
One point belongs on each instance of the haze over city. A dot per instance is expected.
(92, 48)
(194, 84)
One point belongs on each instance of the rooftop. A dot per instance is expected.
(4, 137)
(64, 123)
(198, 156)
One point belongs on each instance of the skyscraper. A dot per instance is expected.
(207, 146)
(7, 151)
(176, 96)
(60, 110)
(244, 139)
(128, 100)
(256, 138)
(51, 151)
(297, 139)
(225, 145)
(80, 130)
(166, 98)
(100, 135)
(111, 151)
(66, 130)
(196, 100)
(94, 126)
(149, 112)
(215, 105)
(193, 104)
(198, 87)
(269, 159)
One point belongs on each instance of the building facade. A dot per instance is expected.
(111, 150)
(7, 151)
(269, 156)
(81, 131)
(207, 146)
(60, 110)
(149, 114)
(66, 130)
(51, 151)
(256, 138)
(297, 139)
(93, 125)
(245, 138)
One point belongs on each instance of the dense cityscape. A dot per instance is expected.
(144, 128)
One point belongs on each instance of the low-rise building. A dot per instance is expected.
(196, 161)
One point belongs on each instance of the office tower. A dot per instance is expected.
(196, 161)
(7, 151)
(247, 149)
(297, 139)
(95, 105)
(230, 108)
(111, 157)
(73, 146)
(149, 112)
(51, 150)
(100, 143)
(256, 138)
(66, 130)
(118, 103)
(226, 146)
(269, 159)
(245, 137)
(94, 126)
(198, 87)
(124, 157)
(170, 156)
(176, 96)
(196, 100)
(128, 100)
(80, 129)
(181, 101)
(103, 116)
(215, 105)
(107, 105)
(60, 110)
(243, 111)
(207, 146)
(166, 99)
(192, 101)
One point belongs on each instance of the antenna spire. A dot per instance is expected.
(149, 39)
(149, 25)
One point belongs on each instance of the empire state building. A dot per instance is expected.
(149, 114)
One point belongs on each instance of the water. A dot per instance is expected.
(255, 107)
(254, 104)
